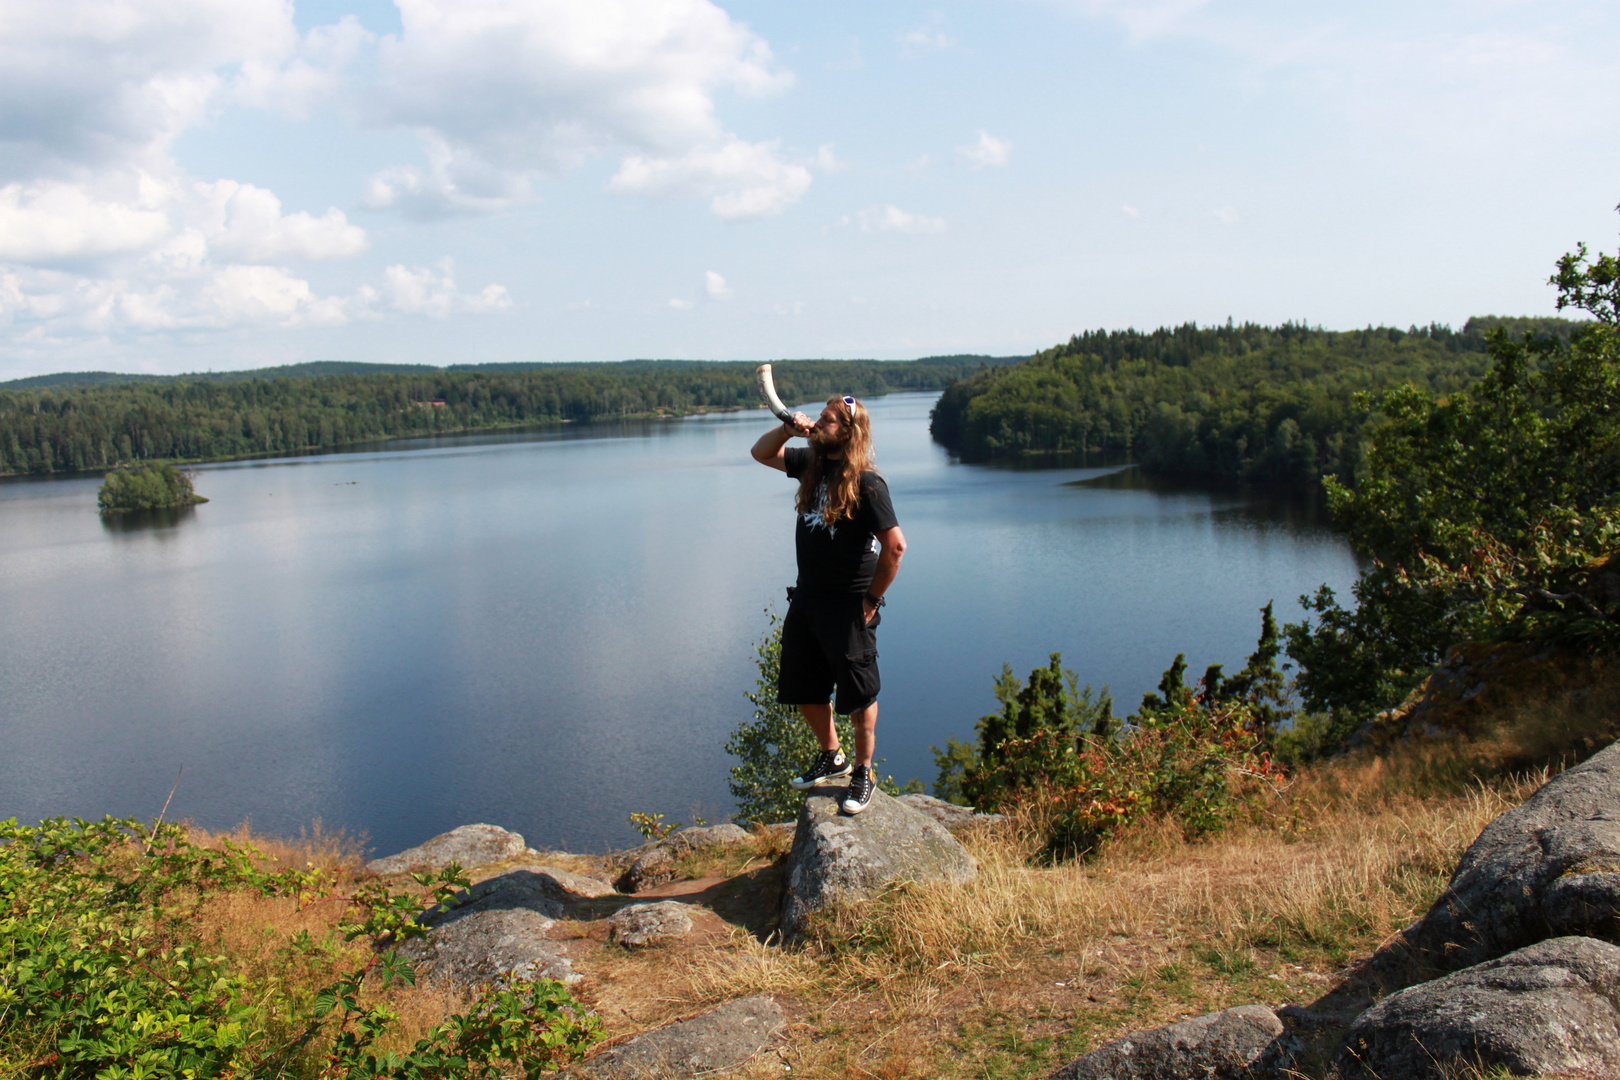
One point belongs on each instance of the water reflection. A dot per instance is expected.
(161, 520)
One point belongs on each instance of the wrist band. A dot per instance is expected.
(875, 601)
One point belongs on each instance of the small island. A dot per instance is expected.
(146, 487)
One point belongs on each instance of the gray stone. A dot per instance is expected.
(1550, 1008)
(653, 864)
(1248, 1041)
(564, 885)
(948, 814)
(839, 858)
(494, 946)
(1547, 868)
(650, 924)
(494, 931)
(650, 869)
(722, 1038)
(467, 846)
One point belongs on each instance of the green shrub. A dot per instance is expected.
(101, 962)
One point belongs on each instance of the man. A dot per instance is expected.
(849, 547)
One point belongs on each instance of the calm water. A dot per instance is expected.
(549, 630)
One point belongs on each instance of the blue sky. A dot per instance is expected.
(215, 184)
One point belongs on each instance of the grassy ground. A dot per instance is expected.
(1027, 965)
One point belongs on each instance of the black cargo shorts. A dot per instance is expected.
(827, 643)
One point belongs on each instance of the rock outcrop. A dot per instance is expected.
(650, 924)
(562, 885)
(467, 846)
(839, 858)
(948, 814)
(722, 1038)
(653, 864)
(493, 932)
(1233, 1044)
(1548, 868)
(1550, 1008)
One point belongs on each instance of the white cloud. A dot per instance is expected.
(987, 152)
(1129, 211)
(420, 291)
(576, 79)
(246, 223)
(741, 179)
(925, 37)
(1226, 215)
(48, 223)
(680, 305)
(890, 218)
(715, 286)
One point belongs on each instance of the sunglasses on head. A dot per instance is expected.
(850, 402)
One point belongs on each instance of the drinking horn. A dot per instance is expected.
(767, 390)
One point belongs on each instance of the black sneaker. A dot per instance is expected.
(831, 763)
(861, 786)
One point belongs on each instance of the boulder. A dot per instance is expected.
(721, 1039)
(650, 924)
(1549, 868)
(508, 944)
(653, 864)
(494, 931)
(649, 870)
(469, 845)
(839, 858)
(948, 814)
(563, 885)
(1550, 1008)
(1248, 1041)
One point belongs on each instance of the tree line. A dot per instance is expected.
(77, 424)
(1233, 402)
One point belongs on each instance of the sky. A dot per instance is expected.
(191, 185)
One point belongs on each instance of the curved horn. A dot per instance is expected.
(767, 390)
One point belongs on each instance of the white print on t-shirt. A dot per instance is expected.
(816, 518)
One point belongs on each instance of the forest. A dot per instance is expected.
(97, 420)
(1239, 402)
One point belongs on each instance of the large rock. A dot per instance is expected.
(720, 1039)
(839, 858)
(469, 845)
(1551, 1008)
(1244, 1042)
(650, 924)
(494, 932)
(1549, 868)
(562, 885)
(653, 864)
(948, 814)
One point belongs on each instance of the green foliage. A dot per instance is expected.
(1226, 402)
(198, 418)
(1052, 700)
(654, 827)
(148, 487)
(100, 961)
(1481, 511)
(1055, 754)
(776, 744)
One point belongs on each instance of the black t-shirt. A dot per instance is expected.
(840, 558)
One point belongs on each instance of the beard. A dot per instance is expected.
(824, 444)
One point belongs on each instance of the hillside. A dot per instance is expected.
(96, 420)
(1233, 402)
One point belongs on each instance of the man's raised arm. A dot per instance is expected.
(768, 450)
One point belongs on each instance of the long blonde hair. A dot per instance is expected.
(843, 474)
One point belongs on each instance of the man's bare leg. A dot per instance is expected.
(864, 721)
(820, 719)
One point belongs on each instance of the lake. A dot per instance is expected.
(547, 630)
